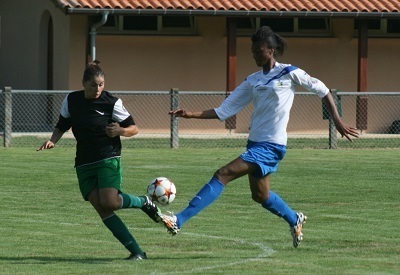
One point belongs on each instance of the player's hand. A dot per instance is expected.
(347, 131)
(46, 145)
(180, 113)
(113, 129)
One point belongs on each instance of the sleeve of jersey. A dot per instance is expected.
(235, 102)
(121, 115)
(311, 84)
(64, 121)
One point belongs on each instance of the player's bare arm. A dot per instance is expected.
(55, 137)
(207, 114)
(342, 128)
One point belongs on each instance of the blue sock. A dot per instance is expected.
(208, 194)
(277, 206)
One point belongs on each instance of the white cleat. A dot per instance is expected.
(297, 235)
(170, 223)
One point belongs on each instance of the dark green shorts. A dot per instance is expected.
(104, 174)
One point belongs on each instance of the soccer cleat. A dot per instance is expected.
(170, 223)
(151, 210)
(297, 235)
(136, 257)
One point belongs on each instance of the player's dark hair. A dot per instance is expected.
(274, 41)
(92, 70)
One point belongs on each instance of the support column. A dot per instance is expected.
(362, 101)
(230, 123)
(174, 105)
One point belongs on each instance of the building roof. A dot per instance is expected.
(352, 8)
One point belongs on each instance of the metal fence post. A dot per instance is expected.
(332, 127)
(7, 116)
(332, 134)
(174, 140)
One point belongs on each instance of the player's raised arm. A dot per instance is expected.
(207, 114)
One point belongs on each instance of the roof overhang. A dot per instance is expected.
(232, 13)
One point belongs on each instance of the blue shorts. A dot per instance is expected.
(265, 155)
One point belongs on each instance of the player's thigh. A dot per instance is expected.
(234, 169)
(87, 179)
(94, 198)
(110, 174)
(109, 198)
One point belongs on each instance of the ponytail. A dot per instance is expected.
(92, 70)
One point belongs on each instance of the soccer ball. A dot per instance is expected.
(161, 190)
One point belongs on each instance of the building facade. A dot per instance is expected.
(46, 44)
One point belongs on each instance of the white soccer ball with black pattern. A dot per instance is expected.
(161, 190)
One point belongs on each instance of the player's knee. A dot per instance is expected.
(217, 175)
(259, 197)
(110, 204)
(222, 172)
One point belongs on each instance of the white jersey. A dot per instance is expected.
(272, 95)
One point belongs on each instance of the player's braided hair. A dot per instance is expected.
(92, 69)
(274, 41)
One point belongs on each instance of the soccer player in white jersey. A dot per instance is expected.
(98, 119)
(271, 90)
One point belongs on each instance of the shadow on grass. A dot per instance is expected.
(89, 260)
(46, 260)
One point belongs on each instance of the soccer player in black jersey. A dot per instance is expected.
(98, 119)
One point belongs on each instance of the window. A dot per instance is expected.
(177, 22)
(315, 24)
(111, 21)
(286, 26)
(243, 23)
(393, 26)
(278, 25)
(140, 23)
(381, 27)
(163, 25)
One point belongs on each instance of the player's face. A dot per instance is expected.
(93, 87)
(262, 54)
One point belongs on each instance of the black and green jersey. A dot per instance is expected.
(88, 119)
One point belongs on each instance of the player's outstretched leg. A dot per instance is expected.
(170, 222)
(296, 230)
(142, 202)
(206, 195)
(277, 206)
(151, 210)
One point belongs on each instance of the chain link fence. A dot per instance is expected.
(28, 117)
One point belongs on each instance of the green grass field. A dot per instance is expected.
(223, 143)
(351, 198)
